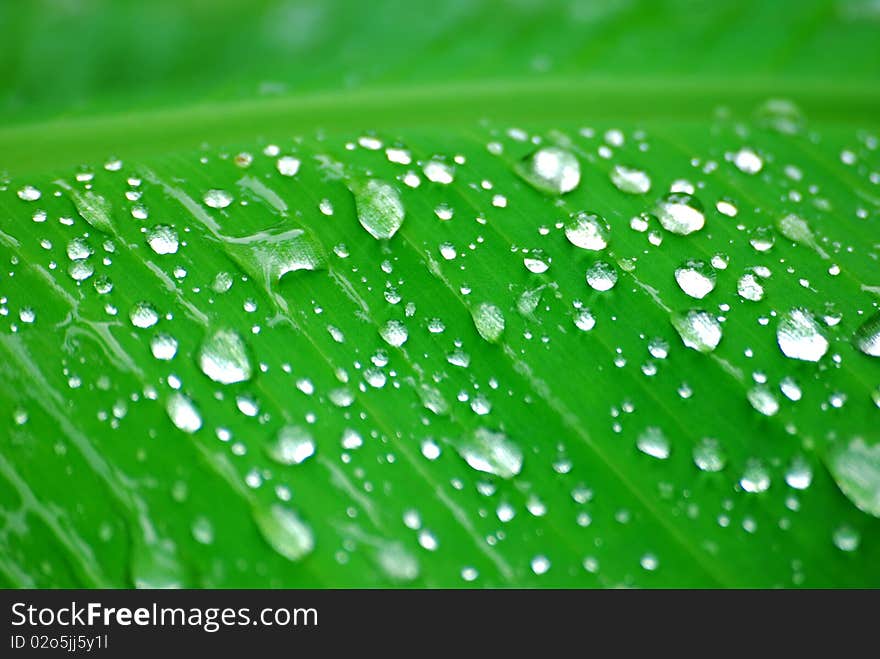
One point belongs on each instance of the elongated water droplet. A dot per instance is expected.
(292, 446)
(587, 231)
(551, 170)
(183, 413)
(800, 336)
(269, 256)
(285, 532)
(223, 357)
(698, 329)
(867, 337)
(855, 467)
(696, 278)
(681, 214)
(491, 452)
(630, 180)
(489, 321)
(763, 400)
(379, 208)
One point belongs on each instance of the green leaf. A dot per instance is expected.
(523, 304)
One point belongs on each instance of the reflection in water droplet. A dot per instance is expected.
(630, 180)
(217, 198)
(800, 337)
(681, 214)
(867, 337)
(379, 208)
(292, 446)
(551, 170)
(491, 452)
(698, 330)
(855, 467)
(223, 357)
(271, 255)
(285, 532)
(652, 441)
(587, 231)
(489, 321)
(143, 315)
(183, 413)
(696, 278)
(709, 455)
(602, 276)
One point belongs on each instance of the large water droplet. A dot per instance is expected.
(867, 337)
(551, 170)
(602, 276)
(681, 214)
(855, 467)
(292, 446)
(800, 336)
(270, 255)
(491, 452)
(489, 321)
(587, 231)
(379, 208)
(143, 315)
(285, 532)
(394, 333)
(698, 329)
(223, 357)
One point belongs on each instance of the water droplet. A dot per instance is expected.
(867, 337)
(394, 333)
(584, 320)
(799, 474)
(292, 446)
(587, 231)
(223, 357)
(489, 321)
(748, 161)
(536, 261)
(271, 255)
(763, 400)
(285, 532)
(287, 165)
(491, 452)
(78, 249)
(379, 208)
(217, 199)
(540, 565)
(698, 329)
(855, 467)
(163, 239)
(183, 413)
(630, 180)
(709, 455)
(696, 278)
(143, 315)
(755, 477)
(551, 170)
(163, 347)
(438, 172)
(652, 441)
(749, 288)
(800, 336)
(846, 538)
(796, 229)
(602, 276)
(681, 214)
(29, 193)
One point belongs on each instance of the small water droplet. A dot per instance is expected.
(162, 239)
(867, 337)
(652, 441)
(855, 467)
(755, 477)
(846, 538)
(602, 276)
(183, 413)
(287, 165)
(587, 231)
(293, 445)
(747, 161)
(491, 452)
(709, 455)
(630, 180)
(749, 288)
(285, 532)
(394, 333)
(489, 321)
(163, 347)
(681, 214)
(696, 278)
(143, 315)
(379, 208)
(217, 199)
